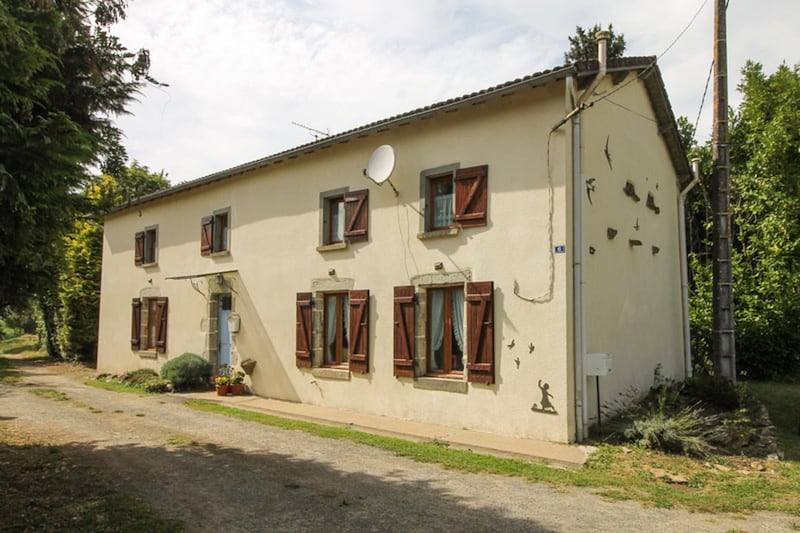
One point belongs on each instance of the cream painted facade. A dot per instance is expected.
(631, 294)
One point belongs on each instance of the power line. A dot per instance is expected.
(702, 101)
(651, 65)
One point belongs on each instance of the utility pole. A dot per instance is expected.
(723, 336)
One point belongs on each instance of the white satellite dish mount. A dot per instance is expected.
(381, 166)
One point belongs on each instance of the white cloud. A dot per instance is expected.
(240, 73)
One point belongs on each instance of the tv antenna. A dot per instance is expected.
(317, 134)
(381, 166)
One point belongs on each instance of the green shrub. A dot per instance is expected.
(687, 431)
(187, 371)
(147, 380)
(695, 417)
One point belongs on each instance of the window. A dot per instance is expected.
(345, 216)
(336, 225)
(448, 333)
(455, 197)
(337, 338)
(215, 232)
(445, 335)
(146, 246)
(441, 197)
(149, 324)
(337, 312)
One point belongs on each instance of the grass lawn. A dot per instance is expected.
(783, 403)
(715, 484)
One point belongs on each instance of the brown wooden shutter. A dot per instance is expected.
(472, 191)
(136, 323)
(303, 350)
(356, 215)
(138, 248)
(480, 332)
(161, 324)
(207, 236)
(404, 325)
(359, 331)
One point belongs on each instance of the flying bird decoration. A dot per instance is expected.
(590, 188)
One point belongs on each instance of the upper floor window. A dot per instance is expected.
(335, 231)
(455, 197)
(215, 232)
(441, 200)
(146, 246)
(345, 216)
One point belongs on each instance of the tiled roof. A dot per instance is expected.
(647, 66)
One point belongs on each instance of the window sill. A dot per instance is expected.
(147, 354)
(149, 265)
(331, 247)
(221, 253)
(339, 374)
(446, 232)
(441, 384)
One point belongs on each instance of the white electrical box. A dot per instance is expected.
(599, 364)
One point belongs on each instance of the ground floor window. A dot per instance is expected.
(445, 330)
(149, 324)
(336, 320)
(332, 330)
(152, 323)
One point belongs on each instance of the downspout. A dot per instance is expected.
(687, 336)
(578, 279)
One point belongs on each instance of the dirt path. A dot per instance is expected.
(216, 473)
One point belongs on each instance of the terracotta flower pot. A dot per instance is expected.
(223, 390)
(237, 389)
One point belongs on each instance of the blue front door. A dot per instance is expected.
(224, 353)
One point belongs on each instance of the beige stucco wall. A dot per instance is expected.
(275, 222)
(633, 299)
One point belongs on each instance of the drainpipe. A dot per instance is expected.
(687, 337)
(578, 279)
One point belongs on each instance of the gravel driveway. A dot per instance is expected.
(219, 474)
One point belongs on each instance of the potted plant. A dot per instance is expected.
(223, 384)
(237, 383)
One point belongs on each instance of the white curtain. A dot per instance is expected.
(346, 329)
(330, 334)
(458, 317)
(443, 210)
(437, 324)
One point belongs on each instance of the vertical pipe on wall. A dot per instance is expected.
(578, 281)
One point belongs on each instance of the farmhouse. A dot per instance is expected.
(498, 261)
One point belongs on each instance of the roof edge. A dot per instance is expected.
(532, 80)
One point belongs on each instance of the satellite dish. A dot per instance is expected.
(381, 164)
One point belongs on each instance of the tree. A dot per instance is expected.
(765, 176)
(63, 77)
(583, 45)
(79, 278)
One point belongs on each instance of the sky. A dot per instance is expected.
(241, 74)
